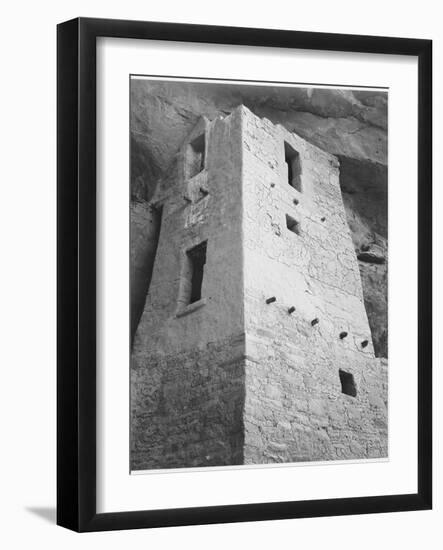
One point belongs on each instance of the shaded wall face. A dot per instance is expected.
(294, 406)
(187, 221)
(187, 408)
(187, 374)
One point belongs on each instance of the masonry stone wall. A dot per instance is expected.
(232, 379)
(187, 407)
(295, 409)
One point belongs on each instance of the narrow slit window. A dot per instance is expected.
(292, 160)
(292, 224)
(347, 383)
(195, 156)
(197, 260)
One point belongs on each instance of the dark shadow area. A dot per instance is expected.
(197, 258)
(347, 383)
(144, 169)
(145, 233)
(364, 187)
(47, 513)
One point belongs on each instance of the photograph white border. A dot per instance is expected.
(117, 490)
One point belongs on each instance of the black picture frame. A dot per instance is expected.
(76, 266)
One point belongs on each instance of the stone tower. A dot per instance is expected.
(254, 345)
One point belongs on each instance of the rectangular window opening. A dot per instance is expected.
(195, 156)
(292, 160)
(347, 383)
(292, 224)
(197, 260)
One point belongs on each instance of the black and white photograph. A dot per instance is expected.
(258, 273)
(220, 280)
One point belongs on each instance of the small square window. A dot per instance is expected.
(292, 224)
(347, 383)
(195, 156)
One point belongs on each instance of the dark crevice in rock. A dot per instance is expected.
(144, 170)
(145, 233)
(370, 258)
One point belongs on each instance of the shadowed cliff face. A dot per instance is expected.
(364, 192)
(349, 124)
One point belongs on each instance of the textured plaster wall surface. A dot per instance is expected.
(295, 409)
